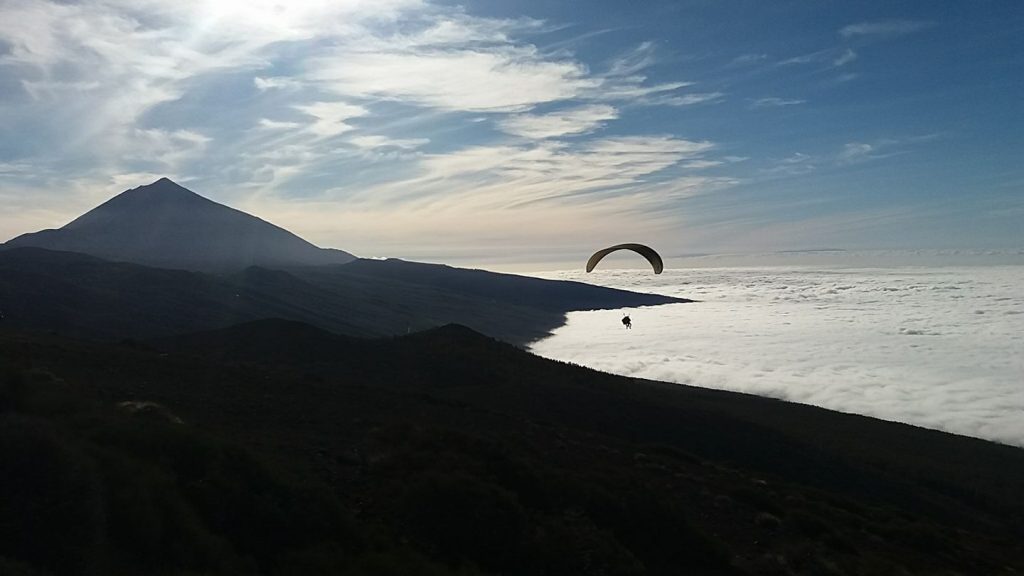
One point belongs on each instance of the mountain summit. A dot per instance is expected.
(166, 225)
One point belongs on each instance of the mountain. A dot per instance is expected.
(273, 447)
(166, 225)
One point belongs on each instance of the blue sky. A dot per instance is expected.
(492, 132)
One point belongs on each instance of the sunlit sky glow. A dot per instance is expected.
(496, 132)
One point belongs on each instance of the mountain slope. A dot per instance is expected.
(553, 295)
(85, 296)
(163, 224)
(488, 460)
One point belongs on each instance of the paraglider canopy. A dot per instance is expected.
(645, 251)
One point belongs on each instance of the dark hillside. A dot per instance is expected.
(544, 294)
(862, 455)
(447, 451)
(84, 296)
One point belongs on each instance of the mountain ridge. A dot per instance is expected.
(85, 296)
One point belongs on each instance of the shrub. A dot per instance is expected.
(51, 505)
(456, 516)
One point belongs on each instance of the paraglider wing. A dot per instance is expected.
(645, 251)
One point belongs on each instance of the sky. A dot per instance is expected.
(492, 133)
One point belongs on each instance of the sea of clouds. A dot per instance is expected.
(939, 347)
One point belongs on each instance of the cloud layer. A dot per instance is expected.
(936, 347)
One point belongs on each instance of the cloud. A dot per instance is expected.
(748, 59)
(684, 100)
(829, 58)
(795, 164)
(15, 168)
(883, 28)
(631, 89)
(924, 355)
(580, 120)
(633, 61)
(506, 190)
(853, 152)
(275, 83)
(845, 58)
(267, 124)
(330, 117)
(858, 152)
(508, 78)
(625, 81)
(372, 141)
(518, 175)
(773, 102)
(813, 57)
(701, 164)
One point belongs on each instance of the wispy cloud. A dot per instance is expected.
(578, 120)
(775, 102)
(507, 78)
(330, 118)
(809, 58)
(275, 83)
(633, 61)
(268, 124)
(854, 152)
(374, 141)
(747, 59)
(829, 58)
(684, 99)
(883, 28)
(796, 164)
(517, 175)
(859, 152)
(845, 58)
(701, 164)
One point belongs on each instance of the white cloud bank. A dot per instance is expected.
(941, 348)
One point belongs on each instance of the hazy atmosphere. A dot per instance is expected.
(494, 133)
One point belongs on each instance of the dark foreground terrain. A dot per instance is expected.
(277, 448)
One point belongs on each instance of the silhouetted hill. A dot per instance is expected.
(85, 296)
(447, 452)
(163, 224)
(552, 295)
(266, 341)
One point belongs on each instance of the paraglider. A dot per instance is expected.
(645, 251)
